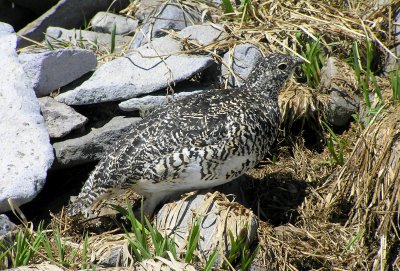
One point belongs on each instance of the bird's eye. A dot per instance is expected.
(282, 66)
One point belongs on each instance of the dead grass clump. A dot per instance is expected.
(315, 246)
(111, 250)
(218, 216)
(301, 106)
(365, 192)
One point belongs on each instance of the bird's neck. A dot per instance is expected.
(265, 90)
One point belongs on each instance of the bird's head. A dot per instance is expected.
(270, 74)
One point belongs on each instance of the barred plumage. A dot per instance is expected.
(198, 142)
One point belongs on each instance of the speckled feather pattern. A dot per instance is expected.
(198, 142)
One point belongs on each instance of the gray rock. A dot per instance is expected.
(341, 107)
(104, 22)
(67, 14)
(241, 62)
(60, 119)
(115, 257)
(25, 145)
(51, 70)
(339, 80)
(147, 104)
(218, 216)
(7, 233)
(145, 8)
(141, 72)
(204, 34)
(84, 38)
(6, 225)
(169, 16)
(92, 146)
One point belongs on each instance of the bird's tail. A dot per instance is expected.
(84, 201)
(81, 205)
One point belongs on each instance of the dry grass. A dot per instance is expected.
(367, 188)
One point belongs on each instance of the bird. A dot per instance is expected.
(195, 143)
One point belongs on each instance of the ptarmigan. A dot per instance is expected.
(198, 142)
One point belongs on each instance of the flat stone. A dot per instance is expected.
(85, 38)
(204, 34)
(25, 145)
(51, 70)
(60, 118)
(92, 146)
(168, 16)
(104, 22)
(218, 216)
(147, 104)
(138, 73)
(241, 62)
(67, 14)
(338, 79)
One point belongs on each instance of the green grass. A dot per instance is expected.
(240, 252)
(367, 83)
(242, 11)
(227, 5)
(311, 50)
(194, 236)
(144, 231)
(44, 244)
(211, 260)
(336, 146)
(395, 84)
(26, 245)
(113, 36)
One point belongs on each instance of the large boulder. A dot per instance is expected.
(26, 152)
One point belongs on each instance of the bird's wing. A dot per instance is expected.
(192, 124)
